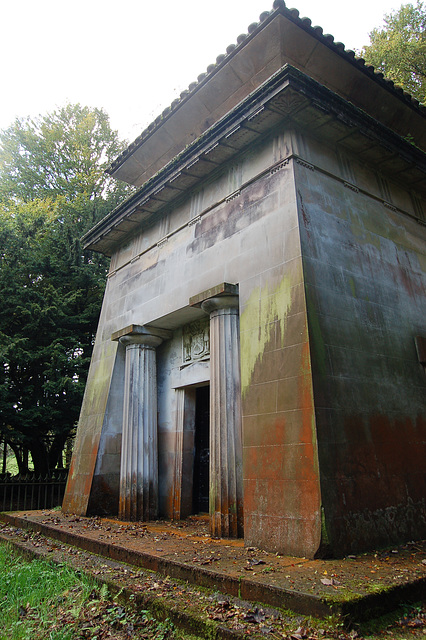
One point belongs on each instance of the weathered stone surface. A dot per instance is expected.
(366, 301)
(278, 42)
(139, 449)
(226, 451)
(316, 212)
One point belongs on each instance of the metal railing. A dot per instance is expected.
(20, 493)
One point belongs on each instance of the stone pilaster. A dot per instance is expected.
(226, 479)
(139, 450)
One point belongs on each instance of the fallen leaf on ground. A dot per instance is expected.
(330, 582)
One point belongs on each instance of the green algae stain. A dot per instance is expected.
(352, 286)
(422, 261)
(258, 322)
(98, 382)
(325, 538)
(316, 337)
(366, 236)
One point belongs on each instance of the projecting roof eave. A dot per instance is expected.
(280, 38)
(289, 98)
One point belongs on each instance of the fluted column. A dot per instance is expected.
(177, 480)
(226, 481)
(139, 451)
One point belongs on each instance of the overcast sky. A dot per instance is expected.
(133, 57)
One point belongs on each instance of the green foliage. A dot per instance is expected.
(32, 594)
(62, 154)
(39, 600)
(52, 190)
(398, 50)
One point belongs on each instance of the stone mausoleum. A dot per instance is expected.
(261, 348)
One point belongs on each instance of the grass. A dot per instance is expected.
(40, 600)
(12, 464)
(31, 595)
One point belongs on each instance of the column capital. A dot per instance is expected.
(226, 304)
(143, 335)
(147, 341)
(223, 290)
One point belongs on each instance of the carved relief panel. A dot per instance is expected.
(196, 341)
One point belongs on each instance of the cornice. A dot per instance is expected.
(305, 24)
(288, 97)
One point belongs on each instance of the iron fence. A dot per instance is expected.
(20, 493)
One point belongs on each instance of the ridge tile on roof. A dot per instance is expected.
(305, 23)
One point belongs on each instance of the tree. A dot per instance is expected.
(398, 50)
(52, 190)
(63, 153)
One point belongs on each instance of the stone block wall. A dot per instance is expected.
(364, 268)
(281, 484)
(330, 264)
(100, 432)
(247, 234)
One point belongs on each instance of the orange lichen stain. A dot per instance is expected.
(279, 429)
(80, 481)
(308, 472)
(72, 495)
(72, 468)
(174, 500)
(281, 470)
(87, 485)
(377, 469)
(306, 397)
(380, 464)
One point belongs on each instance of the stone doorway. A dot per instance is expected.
(192, 453)
(201, 473)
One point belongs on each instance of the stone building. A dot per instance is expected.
(261, 347)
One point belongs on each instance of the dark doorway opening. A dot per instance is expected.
(200, 487)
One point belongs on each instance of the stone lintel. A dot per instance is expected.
(223, 289)
(141, 330)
